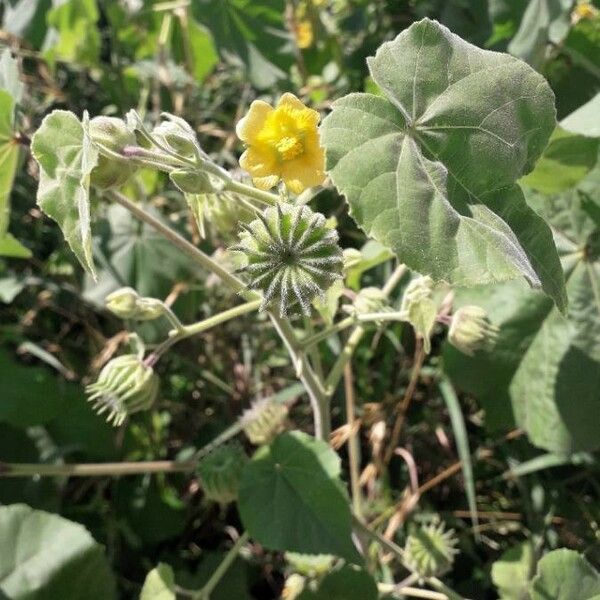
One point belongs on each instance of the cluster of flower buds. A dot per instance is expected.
(125, 386)
(221, 471)
(112, 135)
(430, 550)
(177, 135)
(292, 256)
(264, 420)
(471, 330)
(126, 303)
(370, 300)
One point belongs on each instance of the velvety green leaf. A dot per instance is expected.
(46, 557)
(585, 120)
(373, 254)
(195, 48)
(546, 365)
(430, 171)
(511, 572)
(9, 157)
(347, 583)
(159, 584)
(9, 76)
(74, 36)
(568, 158)
(543, 21)
(565, 575)
(66, 158)
(291, 498)
(250, 33)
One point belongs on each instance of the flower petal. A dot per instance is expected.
(258, 161)
(307, 116)
(303, 172)
(265, 183)
(249, 127)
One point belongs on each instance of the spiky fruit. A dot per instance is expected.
(221, 472)
(471, 330)
(430, 550)
(310, 565)
(113, 134)
(264, 420)
(125, 386)
(292, 256)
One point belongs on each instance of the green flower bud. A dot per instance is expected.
(177, 134)
(126, 303)
(125, 386)
(292, 256)
(471, 330)
(419, 308)
(371, 300)
(293, 587)
(310, 565)
(264, 420)
(112, 134)
(221, 471)
(352, 258)
(430, 550)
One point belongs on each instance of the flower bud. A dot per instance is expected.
(114, 135)
(371, 300)
(310, 565)
(293, 587)
(264, 420)
(126, 303)
(430, 550)
(177, 134)
(221, 471)
(471, 330)
(419, 308)
(125, 386)
(292, 256)
(352, 258)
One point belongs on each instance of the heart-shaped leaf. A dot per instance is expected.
(430, 169)
(291, 498)
(44, 556)
(66, 157)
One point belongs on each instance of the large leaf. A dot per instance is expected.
(430, 170)
(46, 557)
(252, 33)
(159, 584)
(291, 498)
(66, 157)
(511, 572)
(547, 366)
(565, 575)
(347, 583)
(585, 120)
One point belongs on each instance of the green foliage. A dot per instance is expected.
(565, 575)
(291, 498)
(159, 584)
(347, 583)
(46, 557)
(511, 572)
(66, 157)
(431, 171)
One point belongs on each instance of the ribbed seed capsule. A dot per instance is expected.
(124, 386)
(430, 550)
(471, 330)
(310, 565)
(221, 472)
(264, 420)
(292, 256)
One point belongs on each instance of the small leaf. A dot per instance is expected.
(44, 556)
(291, 498)
(511, 572)
(159, 584)
(9, 76)
(66, 157)
(347, 583)
(585, 120)
(11, 247)
(430, 170)
(565, 575)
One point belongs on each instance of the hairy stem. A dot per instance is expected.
(219, 573)
(353, 445)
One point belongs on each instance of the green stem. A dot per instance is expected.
(312, 340)
(219, 573)
(95, 469)
(435, 583)
(260, 195)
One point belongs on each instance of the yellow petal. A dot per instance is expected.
(258, 161)
(303, 172)
(249, 127)
(265, 183)
(308, 116)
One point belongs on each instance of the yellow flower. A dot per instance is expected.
(282, 143)
(583, 10)
(304, 34)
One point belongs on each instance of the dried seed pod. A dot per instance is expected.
(221, 471)
(430, 550)
(292, 256)
(264, 420)
(124, 386)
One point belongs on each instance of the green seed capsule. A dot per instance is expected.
(310, 565)
(264, 420)
(124, 386)
(430, 550)
(291, 255)
(221, 472)
(471, 330)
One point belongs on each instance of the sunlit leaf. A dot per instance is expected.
(159, 584)
(429, 171)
